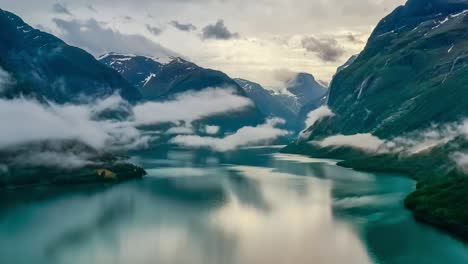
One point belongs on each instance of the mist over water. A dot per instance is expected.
(250, 206)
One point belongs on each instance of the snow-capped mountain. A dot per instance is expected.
(44, 66)
(158, 78)
(161, 78)
(138, 70)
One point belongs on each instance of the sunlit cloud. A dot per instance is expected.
(261, 134)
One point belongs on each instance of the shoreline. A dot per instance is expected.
(437, 200)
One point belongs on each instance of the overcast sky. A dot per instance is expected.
(259, 40)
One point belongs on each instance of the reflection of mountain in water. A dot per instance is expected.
(261, 208)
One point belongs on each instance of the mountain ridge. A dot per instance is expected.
(45, 66)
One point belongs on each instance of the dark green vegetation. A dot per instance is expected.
(44, 66)
(413, 73)
(442, 203)
(25, 165)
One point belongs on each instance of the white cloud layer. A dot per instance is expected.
(212, 130)
(182, 130)
(318, 114)
(261, 134)
(54, 159)
(366, 142)
(5, 80)
(409, 144)
(107, 124)
(191, 106)
(461, 159)
(30, 121)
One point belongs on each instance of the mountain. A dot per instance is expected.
(159, 78)
(162, 78)
(346, 64)
(411, 76)
(42, 65)
(415, 56)
(271, 104)
(314, 104)
(302, 91)
(305, 88)
(39, 65)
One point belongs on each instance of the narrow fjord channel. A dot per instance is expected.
(250, 206)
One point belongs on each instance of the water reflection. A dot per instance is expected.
(247, 207)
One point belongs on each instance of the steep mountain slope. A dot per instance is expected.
(411, 75)
(162, 78)
(416, 56)
(43, 65)
(314, 104)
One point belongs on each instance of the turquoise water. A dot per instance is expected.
(253, 206)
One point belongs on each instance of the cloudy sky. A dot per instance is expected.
(256, 40)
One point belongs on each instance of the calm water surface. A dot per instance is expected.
(253, 206)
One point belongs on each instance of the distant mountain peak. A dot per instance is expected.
(305, 87)
(159, 59)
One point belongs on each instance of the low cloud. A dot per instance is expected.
(191, 106)
(353, 38)
(63, 122)
(154, 30)
(262, 134)
(182, 130)
(94, 37)
(461, 160)
(110, 123)
(183, 27)
(61, 9)
(409, 144)
(65, 160)
(366, 142)
(212, 130)
(281, 78)
(218, 31)
(6, 81)
(326, 49)
(424, 140)
(317, 115)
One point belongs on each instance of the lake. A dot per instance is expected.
(251, 206)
